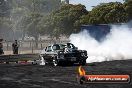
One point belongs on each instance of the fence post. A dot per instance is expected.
(20, 47)
(32, 45)
(41, 46)
(7, 45)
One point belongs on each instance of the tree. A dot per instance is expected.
(105, 13)
(128, 8)
(5, 8)
(29, 23)
(32, 26)
(62, 21)
(5, 28)
(117, 14)
(126, 0)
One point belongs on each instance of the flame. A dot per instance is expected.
(81, 71)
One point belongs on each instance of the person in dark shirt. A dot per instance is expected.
(68, 47)
(15, 47)
(1, 47)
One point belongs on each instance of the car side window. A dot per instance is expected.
(49, 49)
(72, 46)
(62, 46)
(56, 47)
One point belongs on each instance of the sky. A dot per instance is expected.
(90, 3)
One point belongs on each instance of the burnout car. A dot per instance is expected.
(60, 54)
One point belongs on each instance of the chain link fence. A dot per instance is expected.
(29, 46)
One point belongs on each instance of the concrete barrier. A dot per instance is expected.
(18, 57)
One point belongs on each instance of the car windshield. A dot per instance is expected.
(62, 46)
(72, 46)
(48, 49)
(56, 47)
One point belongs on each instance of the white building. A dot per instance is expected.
(65, 1)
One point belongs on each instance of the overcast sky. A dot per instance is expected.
(90, 3)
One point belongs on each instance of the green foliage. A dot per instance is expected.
(30, 22)
(36, 17)
(128, 8)
(4, 8)
(5, 22)
(62, 21)
(105, 13)
(117, 14)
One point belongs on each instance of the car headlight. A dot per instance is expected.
(60, 52)
(82, 54)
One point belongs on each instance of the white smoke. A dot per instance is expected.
(116, 46)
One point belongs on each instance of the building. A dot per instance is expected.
(65, 1)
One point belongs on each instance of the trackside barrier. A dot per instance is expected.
(19, 57)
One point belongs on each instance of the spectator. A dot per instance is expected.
(1, 47)
(15, 47)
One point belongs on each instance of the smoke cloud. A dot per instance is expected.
(116, 46)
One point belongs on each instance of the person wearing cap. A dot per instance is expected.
(15, 47)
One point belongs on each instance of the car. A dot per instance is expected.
(63, 54)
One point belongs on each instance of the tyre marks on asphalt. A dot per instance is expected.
(68, 81)
(25, 82)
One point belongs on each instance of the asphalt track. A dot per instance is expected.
(35, 76)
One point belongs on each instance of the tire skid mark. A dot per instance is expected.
(65, 82)
(22, 82)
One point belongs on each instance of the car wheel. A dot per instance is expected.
(82, 62)
(55, 62)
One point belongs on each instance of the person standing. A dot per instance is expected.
(15, 47)
(1, 47)
(68, 47)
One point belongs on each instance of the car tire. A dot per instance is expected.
(56, 62)
(82, 62)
